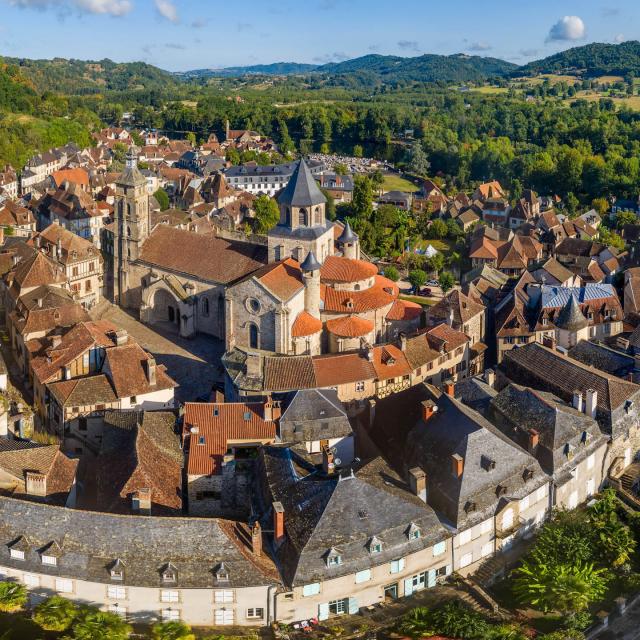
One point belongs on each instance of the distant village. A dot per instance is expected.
(357, 442)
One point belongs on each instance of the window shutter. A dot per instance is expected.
(448, 569)
(353, 606)
(408, 587)
(401, 564)
(323, 611)
(431, 578)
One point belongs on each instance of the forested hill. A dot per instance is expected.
(87, 76)
(426, 68)
(591, 60)
(274, 69)
(16, 92)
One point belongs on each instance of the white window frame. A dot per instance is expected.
(31, 580)
(16, 554)
(464, 537)
(50, 561)
(255, 613)
(396, 566)
(223, 596)
(116, 592)
(466, 560)
(341, 606)
(226, 617)
(167, 595)
(170, 615)
(64, 585)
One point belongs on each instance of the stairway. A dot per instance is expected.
(472, 603)
(489, 570)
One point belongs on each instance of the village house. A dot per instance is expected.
(9, 181)
(16, 220)
(461, 313)
(265, 179)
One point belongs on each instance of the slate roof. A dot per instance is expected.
(570, 317)
(536, 365)
(203, 256)
(518, 409)
(342, 512)
(602, 357)
(91, 542)
(463, 308)
(311, 415)
(302, 190)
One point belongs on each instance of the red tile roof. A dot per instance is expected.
(390, 362)
(384, 292)
(350, 326)
(337, 269)
(305, 325)
(342, 368)
(283, 279)
(217, 426)
(404, 310)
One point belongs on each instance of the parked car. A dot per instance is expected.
(433, 283)
(425, 291)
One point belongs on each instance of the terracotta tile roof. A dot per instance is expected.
(342, 368)
(12, 214)
(83, 392)
(383, 293)
(204, 256)
(285, 373)
(483, 248)
(350, 326)
(219, 424)
(127, 370)
(390, 362)
(77, 176)
(283, 279)
(338, 269)
(451, 338)
(419, 351)
(74, 248)
(305, 325)
(404, 310)
(463, 307)
(37, 270)
(595, 271)
(491, 190)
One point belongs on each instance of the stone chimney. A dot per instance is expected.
(122, 337)
(577, 401)
(271, 410)
(256, 539)
(418, 483)
(457, 465)
(36, 483)
(490, 377)
(450, 388)
(549, 341)
(141, 501)
(56, 339)
(591, 405)
(429, 407)
(253, 365)
(278, 523)
(59, 247)
(403, 342)
(151, 370)
(534, 439)
(328, 457)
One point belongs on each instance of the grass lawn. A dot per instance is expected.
(394, 182)
(425, 302)
(490, 90)
(444, 246)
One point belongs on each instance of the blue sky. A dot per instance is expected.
(189, 34)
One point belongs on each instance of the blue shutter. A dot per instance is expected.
(353, 606)
(323, 611)
(408, 587)
(431, 578)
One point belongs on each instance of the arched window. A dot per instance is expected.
(205, 306)
(288, 217)
(302, 217)
(254, 338)
(357, 287)
(318, 215)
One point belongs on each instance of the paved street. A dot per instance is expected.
(193, 364)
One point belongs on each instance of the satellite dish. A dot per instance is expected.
(337, 462)
(193, 430)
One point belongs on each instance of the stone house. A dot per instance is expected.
(17, 218)
(461, 313)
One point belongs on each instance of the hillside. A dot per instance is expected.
(274, 69)
(87, 76)
(590, 60)
(16, 92)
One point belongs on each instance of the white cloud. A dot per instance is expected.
(167, 10)
(480, 46)
(567, 28)
(619, 38)
(106, 7)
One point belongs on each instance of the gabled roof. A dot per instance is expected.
(302, 190)
(457, 303)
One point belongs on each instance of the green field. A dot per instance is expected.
(393, 182)
(425, 302)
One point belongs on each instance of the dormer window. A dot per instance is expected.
(222, 573)
(375, 546)
(501, 490)
(49, 555)
(628, 405)
(16, 554)
(585, 437)
(568, 451)
(169, 574)
(18, 548)
(414, 532)
(334, 558)
(117, 570)
(51, 561)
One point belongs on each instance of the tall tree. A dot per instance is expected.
(267, 214)
(418, 159)
(55, 614)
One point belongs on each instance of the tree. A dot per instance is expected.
(138, 140)
(330, 207)
(163, 198)
(625, 217)
(418, 159)
(377, 180)
(601, 205)
(267, 214)
(417, 278)
(358, 151)
(446, 281)
(173, 630)
(436, 262)
(559, 587)
(572, 204)
(55, 614)
(392, 273)
(340, 168)
(417, 623)
(456, 620)
(362, 198)
(93, 624)
(233, 156)
(13, 596)
(438, 229)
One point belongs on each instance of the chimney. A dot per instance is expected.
(591, 405)
(1, 235)
(451, 316)
(278, 523)
(457, 465)
(429, 407)
(549, 341)
(36, 483)
(369, 350)
(38, 241)
(254, 365)
(256, 539)
(271, 410)
(490, 377)
(55, 341)
(450, 388)
(328, 457)
(418, 483)
(141, 501)
(577, 401)
(59, 246)
(15, 258)
(122, 337)
(534, 439)
(403, 342)
(151, 370)
(39, 302)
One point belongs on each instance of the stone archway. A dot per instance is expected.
(165, 310)
(166, 303)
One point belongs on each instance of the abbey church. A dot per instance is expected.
(305, 290)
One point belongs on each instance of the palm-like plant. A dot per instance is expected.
(417, 623)
(458, 621)
(55, 614)
(173, 630)
(13, 596)
(93, 624)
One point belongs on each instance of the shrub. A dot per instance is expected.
(13, 596)
(392, 273)
(55, 614)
